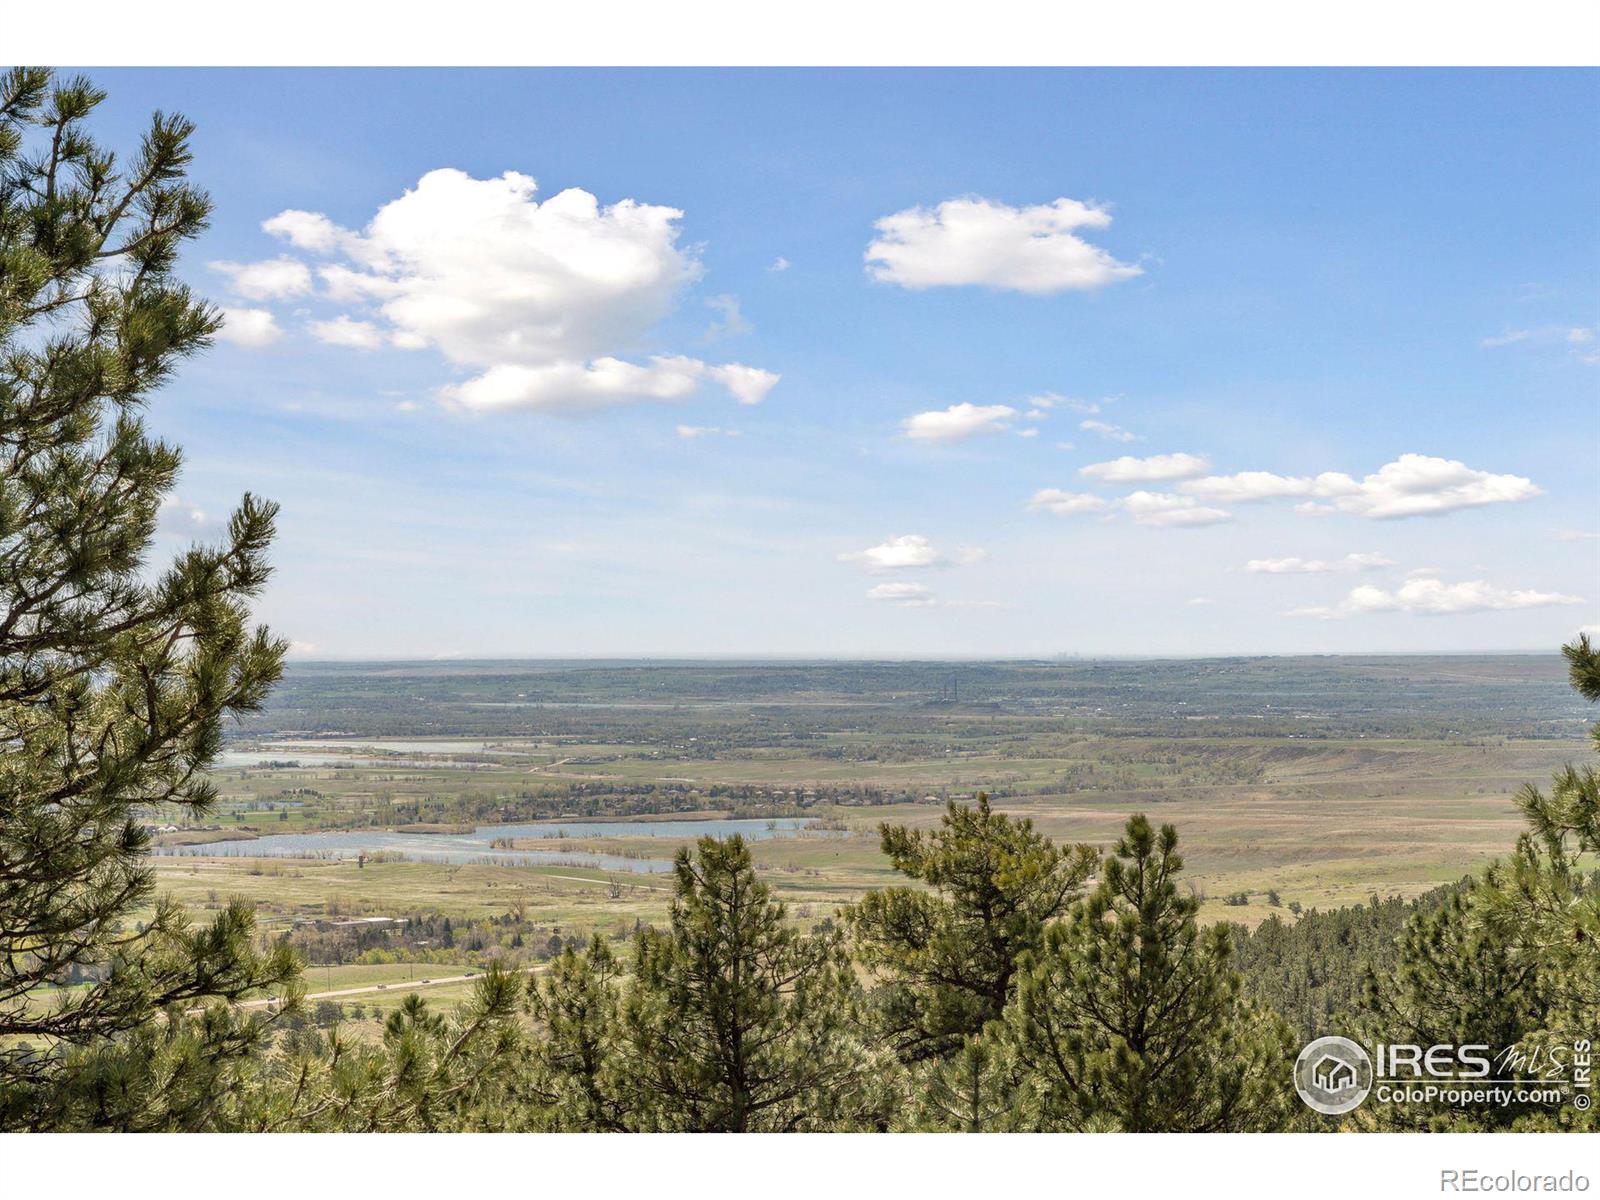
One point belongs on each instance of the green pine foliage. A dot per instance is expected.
(579, 1080)
(114, 683)
(736, 1021)
(429, 1072)
(974, 1090)
(1130, 1014)
(943, 956)
(1312, 970)
(730, 1020)
(1515, 958)
(1567, 821)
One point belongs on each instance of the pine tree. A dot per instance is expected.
(428, 1071)
(945, 956)
(974, 1090)
(1513, 961)
(1567, 821)
(1459, 980)
(114, 685)
(1129, 1016)
(578, 1057)
(737, 1022)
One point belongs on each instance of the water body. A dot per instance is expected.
(477, 846)
(235, 759)
(346, 752)
(398, 745)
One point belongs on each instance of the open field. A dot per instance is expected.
(1323, 825)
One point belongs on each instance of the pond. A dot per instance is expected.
(282, 755)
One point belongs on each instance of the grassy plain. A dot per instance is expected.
(1322, 823)
(1323, 781)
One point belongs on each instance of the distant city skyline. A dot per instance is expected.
(897, 364)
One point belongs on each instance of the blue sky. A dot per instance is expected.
(1343, 325)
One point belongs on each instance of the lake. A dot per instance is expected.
(477, 846)
(347, 752)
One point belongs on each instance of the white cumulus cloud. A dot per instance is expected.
(1434, 597)
(1318, 566)
(910, 595)
(574, 387)
(959, 421)
(180, 517)
(538, 298)
(305, 230)
(749, 385)
(910, 550)
(272, 279)
(1070, 403)
(1247, 486)
(730, 320)
(1164, 509)
(1113, 433)
(1158, 509)
(1066, 504)
(251, 328)
(977, 242)
(346, 331)
(1155, 468)
(1413, 485)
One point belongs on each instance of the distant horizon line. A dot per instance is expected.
(771, 657)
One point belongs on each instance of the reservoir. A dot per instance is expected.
(478, 847)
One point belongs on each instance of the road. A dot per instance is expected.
(402, 985)
(549, 766)
(649, 887)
